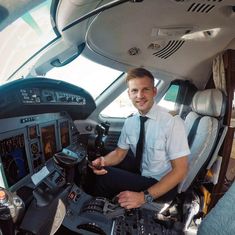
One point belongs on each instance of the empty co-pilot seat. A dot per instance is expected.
(203, 124)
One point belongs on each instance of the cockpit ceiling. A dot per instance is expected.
(178, 37)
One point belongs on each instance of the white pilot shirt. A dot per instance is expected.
(165, 140)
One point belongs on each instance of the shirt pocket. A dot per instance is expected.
(156, 150)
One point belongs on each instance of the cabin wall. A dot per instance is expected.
(226, 149)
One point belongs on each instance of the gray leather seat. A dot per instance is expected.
(208, 106)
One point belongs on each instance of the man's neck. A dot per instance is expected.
(144, 113)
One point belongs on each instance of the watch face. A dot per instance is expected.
(148, 198)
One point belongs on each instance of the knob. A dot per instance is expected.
(80, 101)
(49, 98)
(3, 196)
(63, 99)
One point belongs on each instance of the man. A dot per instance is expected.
(164, 158)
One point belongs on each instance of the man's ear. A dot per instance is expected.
(155, 91)
(128, 92)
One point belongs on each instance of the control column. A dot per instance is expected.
(11, 209)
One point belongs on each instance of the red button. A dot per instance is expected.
(71, 195)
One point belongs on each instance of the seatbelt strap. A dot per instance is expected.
(192, 133)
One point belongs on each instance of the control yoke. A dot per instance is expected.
(96, 143)
(11, 211)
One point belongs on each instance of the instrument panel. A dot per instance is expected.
(41, 95)
(30, 142)
(36, 121)
(49, 96)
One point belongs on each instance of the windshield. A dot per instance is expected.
(24, 37)
(82, 72)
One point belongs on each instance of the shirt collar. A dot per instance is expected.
(153, 112)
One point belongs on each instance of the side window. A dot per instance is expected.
(121, 107)
(168, 101)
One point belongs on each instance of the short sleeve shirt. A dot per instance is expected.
(165, 140)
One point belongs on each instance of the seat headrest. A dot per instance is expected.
(209, 102)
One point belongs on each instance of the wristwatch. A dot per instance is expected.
(148, 197)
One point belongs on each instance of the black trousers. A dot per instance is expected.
(124, 177)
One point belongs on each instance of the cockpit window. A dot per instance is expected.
(82, 72)
(24, 37)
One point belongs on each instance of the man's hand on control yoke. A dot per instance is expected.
(129, 199)
(98, 166)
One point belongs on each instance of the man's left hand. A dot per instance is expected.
(129, 199)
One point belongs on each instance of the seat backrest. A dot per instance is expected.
(209, 107)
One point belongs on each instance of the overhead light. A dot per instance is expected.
(203, 34)
(178, 31)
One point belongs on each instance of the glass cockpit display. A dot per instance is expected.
(64, 134)
(32, 132)
(14, 159)
(48, 141)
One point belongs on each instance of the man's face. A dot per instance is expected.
(141, 92)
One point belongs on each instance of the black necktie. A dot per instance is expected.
(140, 144)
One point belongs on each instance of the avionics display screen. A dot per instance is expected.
(48, 141)
(64, 134)
(14, 159)
(32, 132)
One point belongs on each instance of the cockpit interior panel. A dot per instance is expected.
(29, 142)
(40, 95)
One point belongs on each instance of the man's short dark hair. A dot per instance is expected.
(138, 73)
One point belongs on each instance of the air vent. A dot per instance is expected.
(200, 7)
(171, 47)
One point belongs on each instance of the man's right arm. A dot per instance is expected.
(111, 159)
